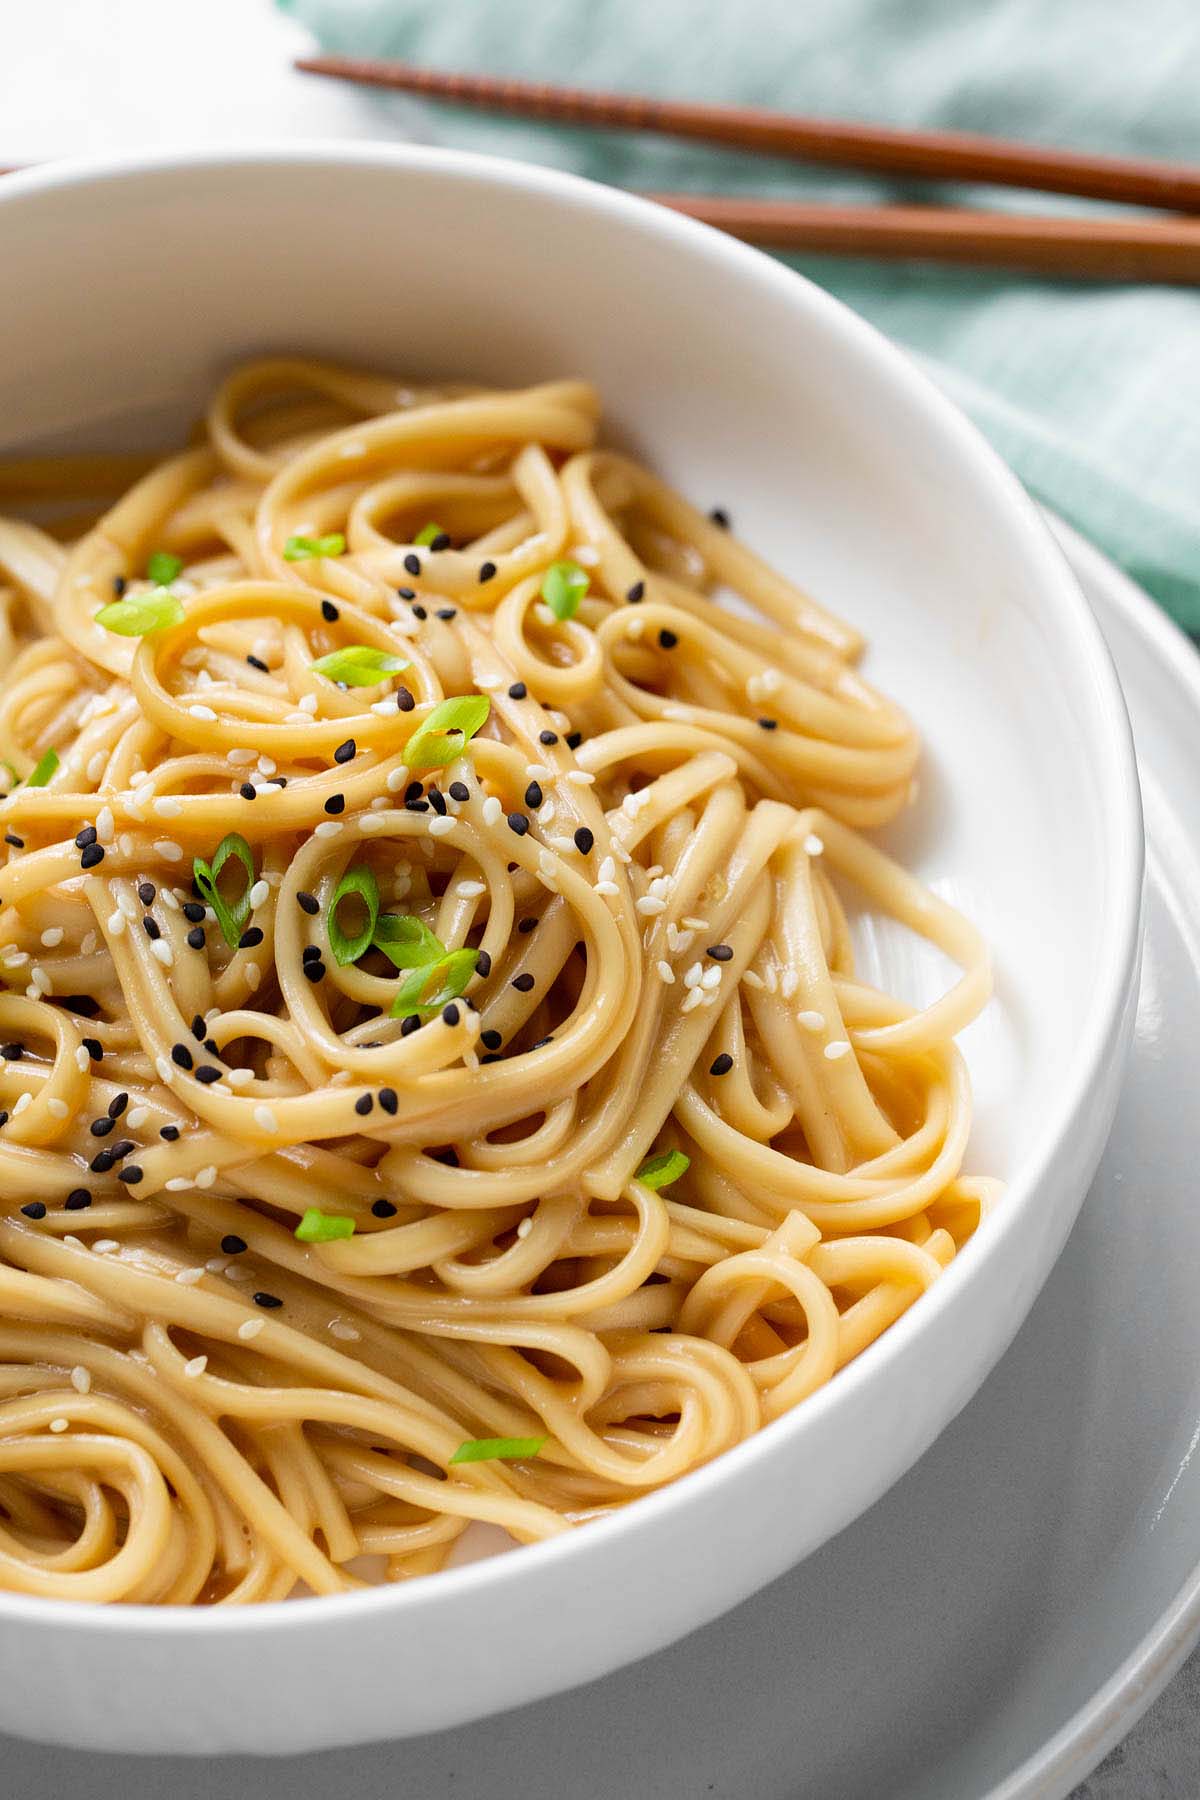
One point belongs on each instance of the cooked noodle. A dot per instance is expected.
(641, 857)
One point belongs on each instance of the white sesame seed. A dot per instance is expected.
(240, 1077)
(83, 1061)
(169, 899)
(813, 844)
(53, 937)
(58, 1109)
(163, 952)
(608, 889)
(216, 1265)
(771, 978)
(661, 886)
(127, 904)
(250, 1328)
(470, 890)
(259, 892)
(22, 1103)
(665, 972)
(397, 778)
(81, 1380)
(564, 845)
(178, 1184)
(692, 1001)
(15, 959)
(203, 712)
(536, 771)
(168, 850)
(136, 1117)
(547, 814)
(59, 1424)
(168, 806)
(581, 778)
(341, 1078)
(525, 1227)
(144, 793)
(265, 1119)
(253, 974)
(206, 1177)
(371, 822)
(308, 704)
(74, 1243)
(97, 765)
(440, 827)
(105, 825)
(586, 555)
(650, 906)
(195, 1367)
(608, 869)
(239, 758)
(753, 979)
(189, 1277)
(163, 1069)
(694, 975)
(380, 803)
(341, 1328)
(267, 765)
(384, 708)
(838, 1048)
(789, 982)
(492, 810)
(811, 1021)
(327, 828)
(711, 978)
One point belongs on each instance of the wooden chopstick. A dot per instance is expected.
(1098, 249)
(937, 155)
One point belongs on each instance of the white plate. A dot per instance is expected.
(1002, 1616)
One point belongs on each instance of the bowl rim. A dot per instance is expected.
(1114, 770)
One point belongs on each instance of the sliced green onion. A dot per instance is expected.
(453, 971)
(299, 549)
(317, 1227)
(359, 665)
(660, 1171)
(360, 881)
(563, 586)
(231, 915)
(407, 941)
(141, 613)
(427, 534)
(162, 568)
(447, 731)
(47, 763)
(497, 1449)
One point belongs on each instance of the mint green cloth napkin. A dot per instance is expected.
(1091, 392)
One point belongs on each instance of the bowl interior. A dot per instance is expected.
(126, 312)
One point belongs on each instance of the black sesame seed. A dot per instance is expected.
(441, 541)
(720, 952)
(526, 924)
(363, 1104)
(195, 938)
(459, 791)
(411, 1023)
(417, 806)
(35, 1210)
(169, 1133)
(541, 1043)
(419, 612)
(389, 1100)
(308, 903)
(483, 964)
(407, 593)
(12, 1052)
(130, 1174)
(336, 803)
(451, 1014)
(412, 563)
(279, 781)
(486, 571)
(722, 1064)
(77, 1200)
(250, 938)
(119, 585)
(122, 1149)
(193, 912)
(146, 892)
(346, 752)
(533, 796)
(117, 1105)
(512, 868)
(769, 724)
(492, 1039)
(636, 592)
(18, 843)
(574, 739)
(267, 1300)
(211, 1047)
(438, 801)
(547, 737)
(447, 612)
(517, 691)
(181, 1056)
(491, 1057)
(93, 854)
(315, 970)
(667, 639)
(404, 700)
(94, 1048)
(720, 517)
(413, 791)
(310, 953)
(256, 662)
(102, 1164)
(151, 927)
(584, 840)
(248, 791)
(232, 1244)
(329, 611)
(101, 1127)
(518, 822)
(523, 983)
(383, 1209)
(85, 837)
(207, 1074)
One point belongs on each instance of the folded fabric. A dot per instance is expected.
(1091, 392)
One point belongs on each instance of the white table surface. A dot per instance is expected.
(88, 76)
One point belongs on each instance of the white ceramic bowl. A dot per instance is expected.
(129, 285)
